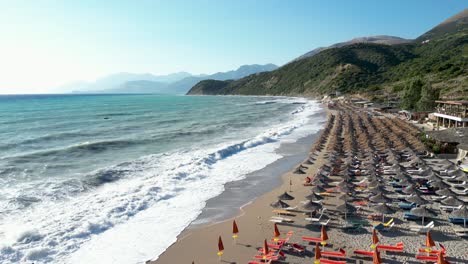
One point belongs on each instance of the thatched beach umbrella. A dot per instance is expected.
(416, 198)
(279, 204)
(401, 176)
(314, 197)
(378, 189)
(410, 189)
(299, 170)
(343, 183)
(445, 192)
(404, 182)
(451, 201)
(346, 208)
(434, 177)
(373, 183)
(311, 206)
(346, 178)
(285, 196)
(370, 178)
(345, 189)
(439, 184)
(461, 213)
(383, 209)
(318, 189)
(423, 212)
(345, 197)
(380, 198)
(462, 178)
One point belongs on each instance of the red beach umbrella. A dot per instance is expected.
(429, 241)
(318, 255)
(376, 257)
(441, 258)
(265, 248)
(375, 238)
(220, 247)
(323, 234)
(235, 230)
(220, 244)
(277, 232)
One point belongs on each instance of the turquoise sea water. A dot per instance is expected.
(78, 172)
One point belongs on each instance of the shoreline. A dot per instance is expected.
(238, 194)
(279, 183)
(254, 222)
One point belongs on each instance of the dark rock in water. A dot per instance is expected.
(106, 118)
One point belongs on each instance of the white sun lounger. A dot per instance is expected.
(449, 208)
(279, 219)
(422, 229)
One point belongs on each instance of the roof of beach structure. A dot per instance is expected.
(451, 135)
(452, 102)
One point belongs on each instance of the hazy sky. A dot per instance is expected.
(47, 43)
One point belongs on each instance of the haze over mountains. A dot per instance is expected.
(175, 83)
(379, 66)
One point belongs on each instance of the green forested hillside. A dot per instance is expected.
(371, 69)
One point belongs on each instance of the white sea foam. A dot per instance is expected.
(137, 218)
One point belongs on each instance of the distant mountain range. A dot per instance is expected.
(377, 66)
(175, 83)
(387, 40)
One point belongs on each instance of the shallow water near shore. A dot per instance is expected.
(115, 178)
(239, 193)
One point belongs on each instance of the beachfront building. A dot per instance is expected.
(451, 114)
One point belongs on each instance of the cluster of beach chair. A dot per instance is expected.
(376, 165)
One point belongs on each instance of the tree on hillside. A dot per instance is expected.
(412, 94)
(428, 97)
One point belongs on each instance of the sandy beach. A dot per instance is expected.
(199, 242)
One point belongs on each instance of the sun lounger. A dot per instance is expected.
(457, 220)
(279, 219)
(340, 254)
(419, 226)
(298, 248)
(280, 240)
(316, 219)
(422, 229)
(329, 261)
(410, 216)
(449, 208)
(283, 212)
(312, 239)
(397, 247)
(407, 206)
(274, 246)
(432, 251)
(266, 257)
(426, 258)
(322, 223)
(375, 217)
(363, 252)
